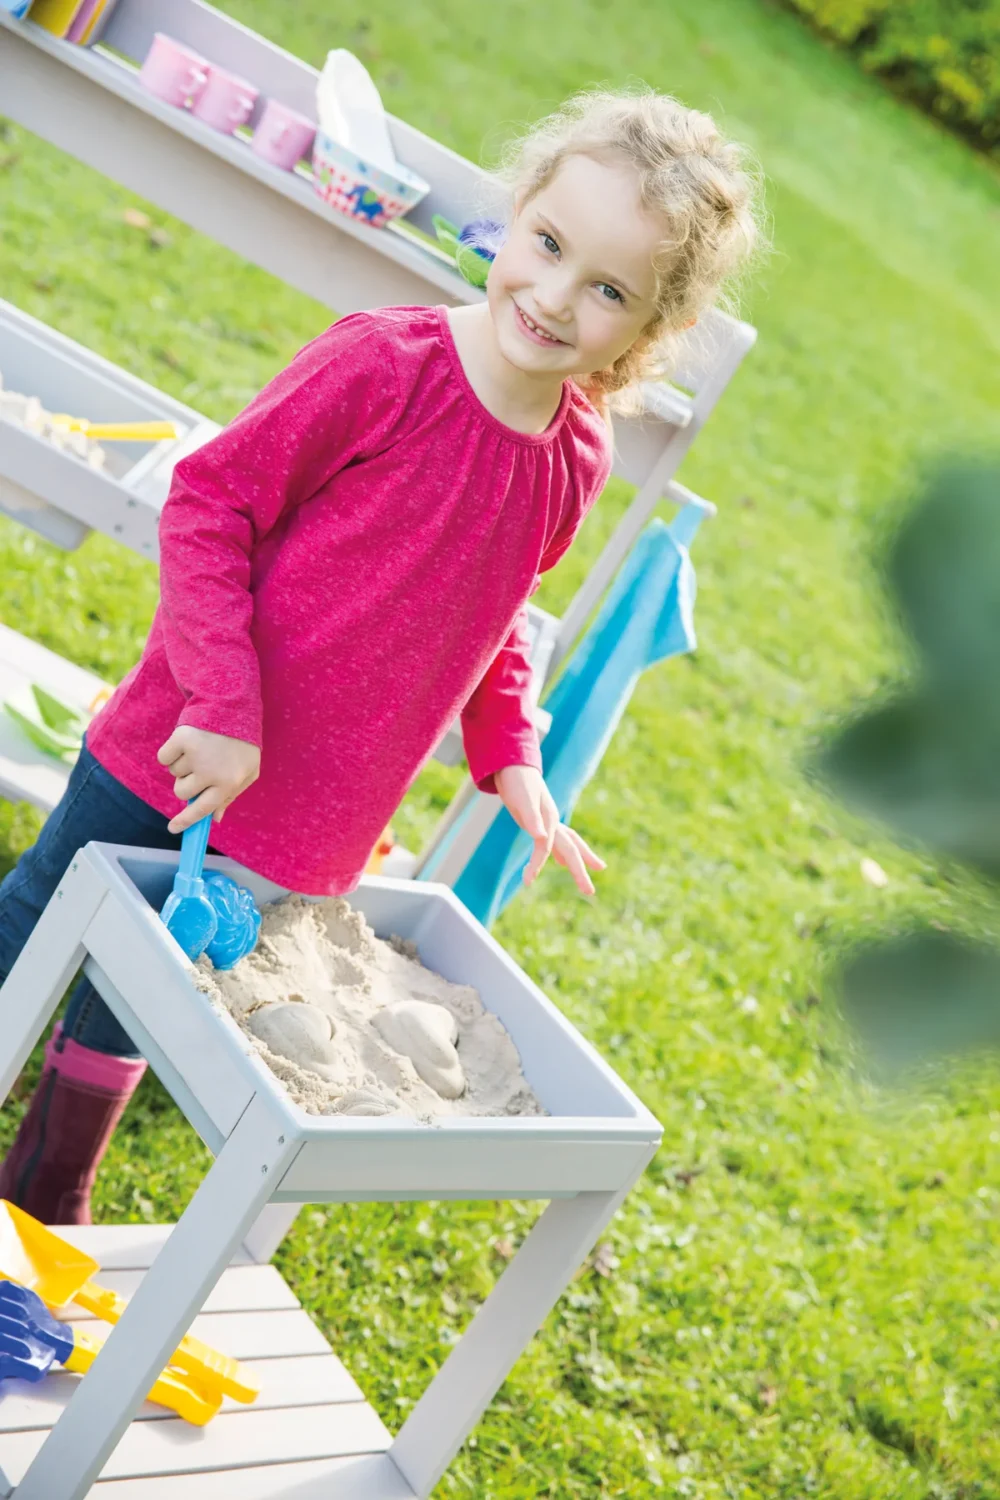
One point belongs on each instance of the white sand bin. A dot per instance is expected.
(27, 412)
(353, 1025)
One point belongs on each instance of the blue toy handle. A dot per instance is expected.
(194, 847)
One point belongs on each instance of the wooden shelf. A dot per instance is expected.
(90, 103)
(26, 773)
(58, 494)
(310, 1432)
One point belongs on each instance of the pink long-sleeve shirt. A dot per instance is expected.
(344, 569)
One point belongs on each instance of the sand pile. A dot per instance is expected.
(28, 413)
(356, 1026)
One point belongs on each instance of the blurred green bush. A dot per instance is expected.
(944, 54)
(924, 759)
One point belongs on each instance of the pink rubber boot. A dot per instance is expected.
(50, 1169)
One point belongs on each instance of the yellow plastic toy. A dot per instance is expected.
(116, 432)
(37, 1258)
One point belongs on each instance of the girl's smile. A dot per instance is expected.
(534, 331)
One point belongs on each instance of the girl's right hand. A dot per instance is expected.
(211, 768)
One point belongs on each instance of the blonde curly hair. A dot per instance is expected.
(704, 187)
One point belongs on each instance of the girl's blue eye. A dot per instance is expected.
(611, 292)
(549, 243)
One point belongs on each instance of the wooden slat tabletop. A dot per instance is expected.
(372, 1478)
(240, 1289)
(309, 1434)
(233, 1442)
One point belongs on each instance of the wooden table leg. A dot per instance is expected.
(500, 1331)
(45, 967)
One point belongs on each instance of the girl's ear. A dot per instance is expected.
(688, 325)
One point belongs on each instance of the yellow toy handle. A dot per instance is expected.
(170, 1390)
(116, 432)
(214, 1374)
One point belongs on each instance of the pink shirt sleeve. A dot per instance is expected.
(335, 400)
(498, 725)
(498, 728)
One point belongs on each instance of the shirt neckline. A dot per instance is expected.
(530, 439)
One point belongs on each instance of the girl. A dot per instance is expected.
(345, 567)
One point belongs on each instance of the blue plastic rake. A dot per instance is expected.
(211, 913)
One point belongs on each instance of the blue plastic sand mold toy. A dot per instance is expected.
(211, 913)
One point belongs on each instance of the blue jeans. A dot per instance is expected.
(94, 806)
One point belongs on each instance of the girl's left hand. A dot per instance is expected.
(524, 794)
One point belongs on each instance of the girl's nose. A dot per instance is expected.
(554, 297)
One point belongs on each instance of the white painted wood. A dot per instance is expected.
(456, 184)
(45, 966)
(301, 1380)
(52, 491)
(125, 1247)
(286, 1334)
(503, 1326)
(310, 1380)
(667, 402)
(126, 942)
(573, 1079)
(710, 357)
(231, 1441)
(94, 108)
(242, 1289)
(197, 1114)
(430, 862)
(447, 854)
(597, 1126)
(201, 1246)
(570, 1076)
(24, 506)
(26, 773)
(624, 538)
(273, 1223)
(439, 1162)
(373, 1477)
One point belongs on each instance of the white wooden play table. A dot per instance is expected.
(311, 1435)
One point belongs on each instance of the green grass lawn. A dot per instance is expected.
(803, 1297)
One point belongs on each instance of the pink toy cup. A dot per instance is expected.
(172, 72)
(226, 101)
(283, 137)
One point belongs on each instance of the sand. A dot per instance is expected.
(28, 413)
(354, 1025)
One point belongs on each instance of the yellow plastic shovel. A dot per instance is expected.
(179, 1392)
(37, 1258)
(116, 432)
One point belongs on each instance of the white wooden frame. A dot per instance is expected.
(58, 495)
(270, 1156)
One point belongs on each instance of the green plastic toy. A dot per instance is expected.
(55, 727)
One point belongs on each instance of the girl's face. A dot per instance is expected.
(574, 286)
